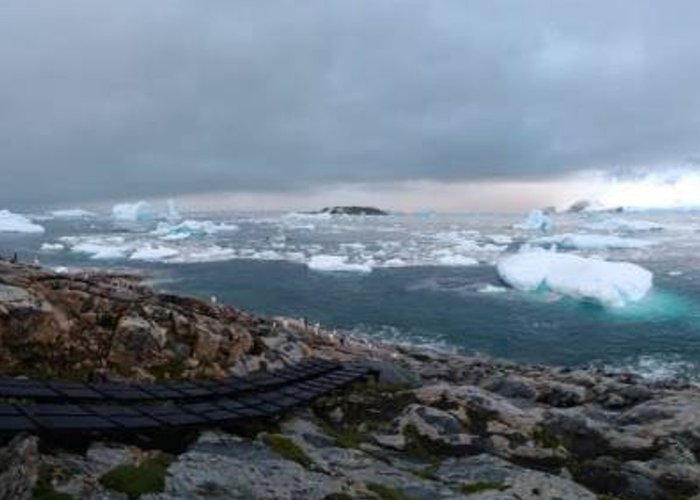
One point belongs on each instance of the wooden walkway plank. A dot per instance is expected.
(70, 407)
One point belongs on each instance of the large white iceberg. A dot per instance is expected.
(16, 223)
(133, 212)
(611, 284)
(583, 241)
(536, 220)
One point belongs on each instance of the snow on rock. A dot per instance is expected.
(623, 225)
(582, 241)
(71, 213)
(536, 220)
(611, 284)
(15, 223)
(330, 263)
(154, 253)
(188, 228)
(133, 212)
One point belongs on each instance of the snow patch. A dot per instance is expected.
(611, 284)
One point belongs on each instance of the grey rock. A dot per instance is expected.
(227, 467)
(514, 386)
(19, 462)
(393, 374)
(508, 481)
(560, 395)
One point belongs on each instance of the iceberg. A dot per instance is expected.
(610, 284)
(536, 220)
(71, 213)
(581, 241)
(15, 223)
(133, 212)
(173, 213)
(330, 263)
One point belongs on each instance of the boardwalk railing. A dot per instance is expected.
(52, 407)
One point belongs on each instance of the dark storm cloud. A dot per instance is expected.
(112, 99)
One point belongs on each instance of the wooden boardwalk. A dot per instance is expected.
(47, 407)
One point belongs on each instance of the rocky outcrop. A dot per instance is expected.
(353, 210)
(435, 425)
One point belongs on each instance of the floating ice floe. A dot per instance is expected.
(500, 239)
(489, 288)
(71, 213)
(314, 216)
(188, 228)
(335, 263)
(611, 284)
(15, 223)
(134, 212)
(623, 225)
(109, 249)
(52, 247)
(583, 241)
(154, 253)
(450, 259)
(536, 220)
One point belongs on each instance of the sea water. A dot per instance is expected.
(424, 278)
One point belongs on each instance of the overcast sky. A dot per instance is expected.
(126, 99)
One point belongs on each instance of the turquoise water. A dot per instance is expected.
(441, 306)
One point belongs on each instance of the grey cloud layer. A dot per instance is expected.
(131, 98)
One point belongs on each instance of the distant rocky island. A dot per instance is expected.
(434, 426)
(352, 210)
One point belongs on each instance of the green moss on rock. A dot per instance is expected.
(43, 490)
(385, 492)
(137, 480)
(481, 486)
(288, 449)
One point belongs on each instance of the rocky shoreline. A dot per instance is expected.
(436, 425)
